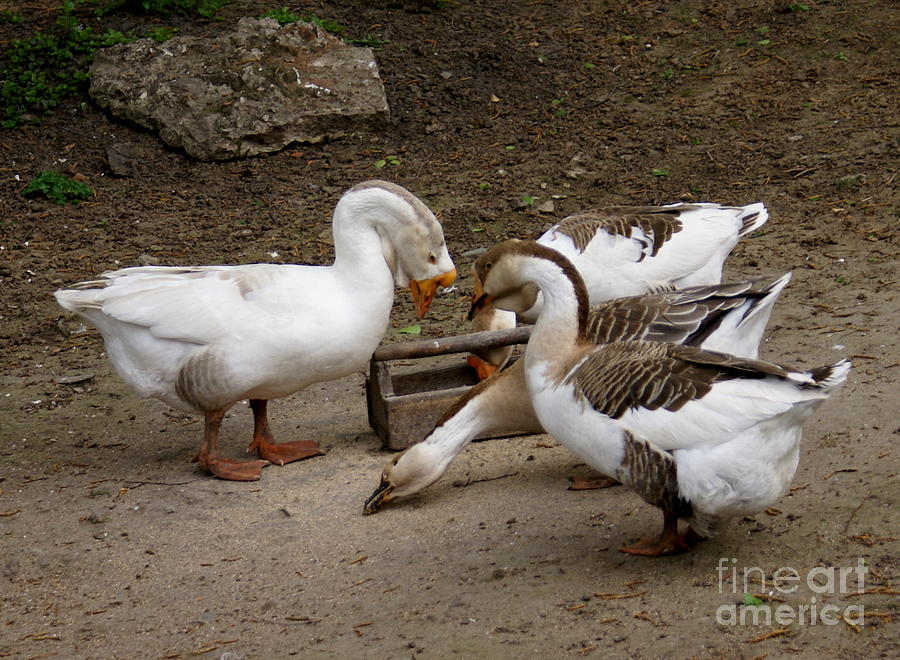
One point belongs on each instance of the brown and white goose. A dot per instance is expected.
(202, 338)
(723, 317)
(704, 436)
(630, 250)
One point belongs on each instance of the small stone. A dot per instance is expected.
(122, 159)
(546, 207)
(95, 517)
(74, 379)
(850, 180)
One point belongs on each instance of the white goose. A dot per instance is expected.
(723, 317)
(702, 435)
(630, 250)
(202, 338)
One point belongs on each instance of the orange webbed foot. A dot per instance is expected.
(231, 470)
(484, 369)
(592, 483)
(655, 547)
(666, 544)
(282, 453)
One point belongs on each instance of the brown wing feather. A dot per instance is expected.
(687, 316)
(624, 376)
(658, 225)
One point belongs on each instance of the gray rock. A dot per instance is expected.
(122, 159)
(250, 91)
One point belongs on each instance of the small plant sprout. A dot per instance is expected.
(388, 160)
(9, 16)
(283, 16)
(841, 56)
(162, 34)
(411, 330)
(57, 188)
(659, 171)
(528, 200)
(558, 111)
(484, 185)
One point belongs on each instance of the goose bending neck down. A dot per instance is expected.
(202, 338)
(724, 317)
(704, 436)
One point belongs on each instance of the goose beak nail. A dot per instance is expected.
(382, 495)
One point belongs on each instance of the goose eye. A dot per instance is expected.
(432, 259)
(488, 265)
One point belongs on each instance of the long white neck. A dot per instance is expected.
(448, 439)
(564, 311)
(499, 405)
(359, 250)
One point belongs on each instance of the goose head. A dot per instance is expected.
(516, 297)
(412, 240)
(512, 271)
(409, 472)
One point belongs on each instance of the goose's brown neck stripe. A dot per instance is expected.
(533, 249)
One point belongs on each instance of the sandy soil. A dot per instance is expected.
(114, 546)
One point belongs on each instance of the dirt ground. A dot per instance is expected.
(114, 546)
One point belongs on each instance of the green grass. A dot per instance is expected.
(57, 188)
(283, 16)
(39, 71)
(9, 16)
(205, 8)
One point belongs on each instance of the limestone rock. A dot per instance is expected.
(250, 91)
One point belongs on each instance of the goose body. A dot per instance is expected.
(630, 250)
(202, 338)
(724, 317)
(702, 435)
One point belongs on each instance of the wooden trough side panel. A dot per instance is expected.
(403, 408)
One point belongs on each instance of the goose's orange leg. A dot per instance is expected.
(277, 452)
(670, 542)
(224, 468)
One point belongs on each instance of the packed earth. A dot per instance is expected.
(505, 117)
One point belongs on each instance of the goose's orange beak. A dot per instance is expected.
(423, 290)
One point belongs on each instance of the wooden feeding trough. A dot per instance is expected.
(403, 407)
